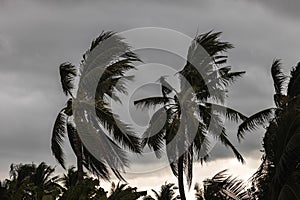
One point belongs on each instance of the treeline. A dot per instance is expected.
(31, 182)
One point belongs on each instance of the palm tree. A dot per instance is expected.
(222, 187)
(166, 193)
(281, 142)
(31, 182)
(195, 110)
(106, 61)
(124, 192)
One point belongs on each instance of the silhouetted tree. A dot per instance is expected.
(198, 106)
(277, 174)
(166, 193)
(106, 61)
(222, 187)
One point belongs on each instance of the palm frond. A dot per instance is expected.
(229, 113)
(219, 60)
(155, 133)
(107, 49)
(254, 121)
(74, 139)
(67, 73)
(293, 86)
(119, 130)
(96, 166)
(103, 36)
(151, 101)
(278, 76)
(225, 141)
(58, 134)
(211, 42)
(225, 187)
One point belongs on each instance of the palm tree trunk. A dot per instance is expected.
(79, 168)
(180, 178)
(78, 146)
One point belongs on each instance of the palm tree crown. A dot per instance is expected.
(101, 73)
(194, 111)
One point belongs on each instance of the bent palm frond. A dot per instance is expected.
(67, 73)
(229, 113)
(278, 77)
(151, 101)
(58, 134)
(254, 121)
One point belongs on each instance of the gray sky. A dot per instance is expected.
(36, 36)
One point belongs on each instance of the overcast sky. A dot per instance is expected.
(36, 36)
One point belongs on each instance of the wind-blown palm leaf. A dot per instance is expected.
(58, 134)
(254, 121)
(223, 77)
(219, 60)
(103, 36)
(211, 43)
(107, 49)
(222, 186)
(188, 165)
(67, 74)
(278, 77)
(229, 113)
(96, 166)
(151, 101)
(293, 86)
(120, 131)
(74, 139)
(155, 133)
(223, 138)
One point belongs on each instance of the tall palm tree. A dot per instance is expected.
(194, 111)
(281, 142)
(103, 67)
(222, 187)
(166, 193)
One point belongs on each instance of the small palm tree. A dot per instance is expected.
(197, 107)
(124, 192)
(106, 61)
(31, 182)
(222, 186)
(166, 193)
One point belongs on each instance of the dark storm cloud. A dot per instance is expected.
(288, 8)
(36, 36)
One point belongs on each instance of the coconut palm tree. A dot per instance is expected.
(281, 142)
(101, 73)
(194, 111)
(166, 193)
(222, 187)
